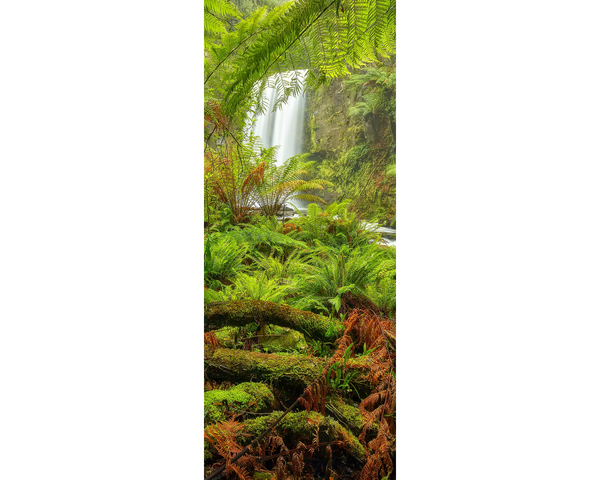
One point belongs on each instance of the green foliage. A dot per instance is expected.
(383, 295)
(247, 7)
(285, 182)
(337, 378)
(216, 15)
(262, 238)
(280, 268)
(218, 217)
(391, 170)
(324, 36)
(222, 257)
(333, 272)
(320, 349)
(335, 226)
(365, 351)
(249, 287)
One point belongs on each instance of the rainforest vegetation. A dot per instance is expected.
(299, 302)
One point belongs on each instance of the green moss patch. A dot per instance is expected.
(249, 396)
(283, 339)
(348, 415)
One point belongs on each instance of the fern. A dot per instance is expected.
(280, 268)
(332, 274)
(263, 237)
(222, 257)
(335, 226)
(314, 34)
(383, 295)
(258, 287)
(284, 183)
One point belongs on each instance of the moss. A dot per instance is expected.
(243, 312)
(284, 339)
(283, 369)
(348, 415)
(252, 397)
(314, 143)
(226, 336)
(263, 476)
(301, 426)
(209, 452)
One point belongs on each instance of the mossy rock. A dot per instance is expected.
(248, 396)
(301, 426)
(283, 339)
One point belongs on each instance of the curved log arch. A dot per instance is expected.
(242, 312)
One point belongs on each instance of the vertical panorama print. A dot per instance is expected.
(299, 239)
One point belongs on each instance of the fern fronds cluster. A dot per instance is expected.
(264, 239)
(279, 267)
(222, 257)
(284, 183)
(335, 225)
(315, 397)
(331, 275)
(249, 287)
(223, 437)
(377, 335)
(326, 37)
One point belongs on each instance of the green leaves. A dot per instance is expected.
(325, 36)
(284, 183)
(222, 257)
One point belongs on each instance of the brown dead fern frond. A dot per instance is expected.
(223, 437)
(210, 339)
(297, 465)
(280, 469)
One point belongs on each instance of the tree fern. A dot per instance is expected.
(325, 36)
(284, 183)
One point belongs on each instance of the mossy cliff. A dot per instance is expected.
(350, 133)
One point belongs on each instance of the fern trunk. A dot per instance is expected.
(243, 312)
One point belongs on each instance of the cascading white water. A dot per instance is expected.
(284, 126)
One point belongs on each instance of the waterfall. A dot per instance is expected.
(283, 127)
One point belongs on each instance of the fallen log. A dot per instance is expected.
(242, 312)
(279, 369)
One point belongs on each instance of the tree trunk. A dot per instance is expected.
(242, 312)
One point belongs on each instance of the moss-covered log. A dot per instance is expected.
(347, 415)
(242, 312)
(281, 369)
(294, 428)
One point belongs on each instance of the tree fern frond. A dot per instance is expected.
(308, 197)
